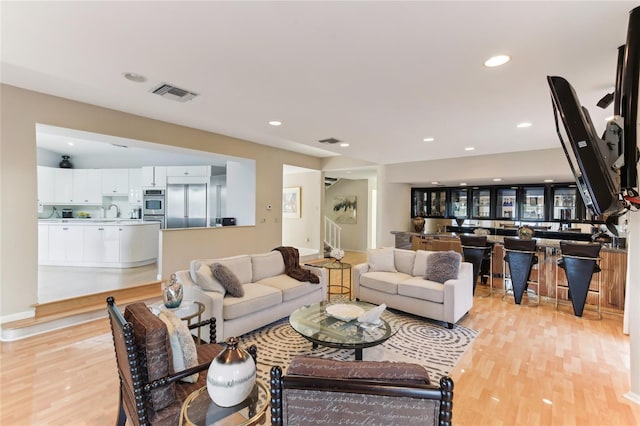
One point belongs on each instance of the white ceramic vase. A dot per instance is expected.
(231, 375)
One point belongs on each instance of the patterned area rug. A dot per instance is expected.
(418, 340)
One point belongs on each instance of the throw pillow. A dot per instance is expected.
(381, 260)
(205, 280)
(185, 354)
(228, 279)
(443, 266)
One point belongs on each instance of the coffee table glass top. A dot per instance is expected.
(317, 326)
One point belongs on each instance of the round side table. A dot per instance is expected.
(343, 288)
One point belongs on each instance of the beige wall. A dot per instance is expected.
(305, 230)
(22, 109)
(353, 236)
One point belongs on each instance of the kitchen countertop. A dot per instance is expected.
(114, 222)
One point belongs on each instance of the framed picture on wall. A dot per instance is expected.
(291, 202)
(345, 208)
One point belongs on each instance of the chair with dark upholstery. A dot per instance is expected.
(324, 391)
(151, 392)
(520, 255)
(477, 251)
(580, 262)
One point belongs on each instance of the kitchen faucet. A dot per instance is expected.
(113, 205)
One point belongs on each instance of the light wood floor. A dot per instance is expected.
(528, 366)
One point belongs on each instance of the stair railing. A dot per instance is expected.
(331, 233)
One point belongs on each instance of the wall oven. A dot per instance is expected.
(153, 202)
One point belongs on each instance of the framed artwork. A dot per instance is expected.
(345, 209)
(291, 202)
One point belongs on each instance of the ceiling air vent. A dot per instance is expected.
(330, 141)
(168, 91)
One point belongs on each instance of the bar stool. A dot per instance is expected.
(477, 250)
(520, 256)
(580, 262)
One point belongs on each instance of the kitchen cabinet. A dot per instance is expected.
(86, 186)
(419, 202)
(565, 203)
(437, 203)
(115, 182)
(101, 243)
(480, 203)
(459, 203)
(154, 177)
(137, 243)
(191, 171)
(533, 203)
(63, 186)
(46, 185)
(43, 243)
(506, 203)
(65, 244)
(135, 186)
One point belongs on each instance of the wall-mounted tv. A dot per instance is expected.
(605, 169)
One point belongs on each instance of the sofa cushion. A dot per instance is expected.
(183, 347)
(267, 265)
(443, 266)
(419, 288)
(381, 260)
(228, 279)
(290, 287)
(404, 260)
(420, 264)
(240, 265)
(256, 298)
(206, 281)
(386, 282)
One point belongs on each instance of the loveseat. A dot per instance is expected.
(396, 277)
(269, 294)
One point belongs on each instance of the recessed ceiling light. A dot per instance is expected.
(70, 143)
(275, 123)
(463, 183)
(523, 125)
(429, 139)
(497, 179)
(136, 78)
(548, 180)
(435, 183)
(496, 61)
(469, 148)
(344, 145)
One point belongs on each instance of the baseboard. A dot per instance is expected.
(632, 396)
(18, 316)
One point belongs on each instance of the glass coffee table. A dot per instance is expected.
(320, 328)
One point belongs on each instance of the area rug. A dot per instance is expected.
(418, 340)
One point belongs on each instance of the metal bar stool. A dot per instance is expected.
(580, 262)
(520, 256)
(477, 251)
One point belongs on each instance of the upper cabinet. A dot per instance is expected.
(481, 203)
(63, 185)
(533, 203)
(188, 171)
(506, 204)
(154, 177)
(459, 203)
(115, 182)
(565, 205)
(135, 186)
(86, 186)
(46, 185)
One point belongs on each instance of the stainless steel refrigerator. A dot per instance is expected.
(186, 205)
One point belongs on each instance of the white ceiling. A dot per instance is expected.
(379, 75)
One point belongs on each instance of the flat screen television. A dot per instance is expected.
(605, 170)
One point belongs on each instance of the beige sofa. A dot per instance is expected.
(407, 290)
(269, 294)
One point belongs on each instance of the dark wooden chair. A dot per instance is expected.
(151, 392)
(477, 251)
(324, 391)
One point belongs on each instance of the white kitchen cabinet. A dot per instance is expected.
(46, 185)
(190, 171)
(63, 186)
(135, 186)
(115, 182)
(101, 244)
(43, 242)
(65, 244)
(154, 177)
(86, 186)
(138, 243)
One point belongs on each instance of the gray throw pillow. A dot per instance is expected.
(443, 266)
(228, 279)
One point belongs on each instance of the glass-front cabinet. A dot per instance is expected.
(419, 202)
(438, 203)
(459, 203)
(532, 207)
(506, 206)
(565, 203)
(480, 203)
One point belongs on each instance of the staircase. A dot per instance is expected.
(331, 236)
